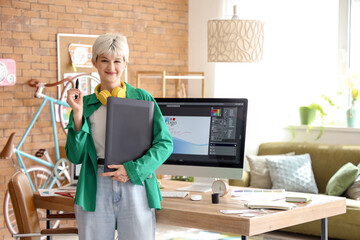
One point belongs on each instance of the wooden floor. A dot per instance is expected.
(168, 232)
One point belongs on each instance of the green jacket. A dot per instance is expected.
(80, 148)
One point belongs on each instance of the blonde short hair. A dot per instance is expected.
(114, 44)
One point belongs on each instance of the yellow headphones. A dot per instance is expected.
(116, 92)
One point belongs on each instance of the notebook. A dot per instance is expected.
(279, 205)
(298, 197)
(129, 130)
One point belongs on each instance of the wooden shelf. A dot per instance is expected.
(177, 76)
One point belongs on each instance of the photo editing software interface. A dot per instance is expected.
(206, 132)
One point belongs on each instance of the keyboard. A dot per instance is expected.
(173, 194)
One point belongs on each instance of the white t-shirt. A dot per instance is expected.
(98, 130)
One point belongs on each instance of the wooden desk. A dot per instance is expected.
(205, 215)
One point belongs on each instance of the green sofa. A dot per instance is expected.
(326, 160)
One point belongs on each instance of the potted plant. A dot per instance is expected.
(308, 115)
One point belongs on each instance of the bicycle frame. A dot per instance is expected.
(20, 153)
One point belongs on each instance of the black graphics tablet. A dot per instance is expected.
(129, 130)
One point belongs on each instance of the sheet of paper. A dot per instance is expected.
(47, 192)
(241, 211)
(258, 194)
(52, 192)
(67, 188)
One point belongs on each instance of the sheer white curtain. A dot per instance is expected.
(355, 36)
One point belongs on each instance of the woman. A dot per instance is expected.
(124, 199)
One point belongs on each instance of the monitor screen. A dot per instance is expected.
(208, 136)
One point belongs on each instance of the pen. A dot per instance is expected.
(77, 87)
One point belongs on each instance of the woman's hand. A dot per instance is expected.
(76, 105)
(119, 175)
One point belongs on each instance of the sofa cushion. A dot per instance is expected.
(342, 179)
(353, 191)
(326, 159)
(292, 173)
(259, 171)
(351, 203)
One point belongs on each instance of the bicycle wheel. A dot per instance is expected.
(87, 84)
(39, 177)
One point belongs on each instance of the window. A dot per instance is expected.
(354, 35)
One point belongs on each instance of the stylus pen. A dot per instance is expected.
(77, 87)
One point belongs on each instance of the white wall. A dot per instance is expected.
(200, 11)
(300, 64)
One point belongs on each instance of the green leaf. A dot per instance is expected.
(293, 133)
(321, 132)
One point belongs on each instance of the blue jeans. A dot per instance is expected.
(118, 205)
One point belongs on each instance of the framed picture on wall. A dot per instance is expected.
(74, 54)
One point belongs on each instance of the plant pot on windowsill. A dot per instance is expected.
(307, 115)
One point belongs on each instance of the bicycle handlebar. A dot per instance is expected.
(36, 83)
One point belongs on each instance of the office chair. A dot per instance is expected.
(22, 199)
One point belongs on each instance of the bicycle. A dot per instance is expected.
(41, 177)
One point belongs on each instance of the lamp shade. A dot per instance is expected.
(235, 40)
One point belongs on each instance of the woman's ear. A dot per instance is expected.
(94, 64)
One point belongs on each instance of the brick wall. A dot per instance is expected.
(157, 34)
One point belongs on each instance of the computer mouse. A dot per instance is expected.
(196, 197)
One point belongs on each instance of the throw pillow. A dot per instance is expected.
(292, 173)
(353, 191)
(259, 172)
(342, 179)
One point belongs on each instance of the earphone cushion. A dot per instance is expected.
(103, 95)
(115, 92)
(118, 92)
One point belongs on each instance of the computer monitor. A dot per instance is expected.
(208, 136)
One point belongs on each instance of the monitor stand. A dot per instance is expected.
(201, 184)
